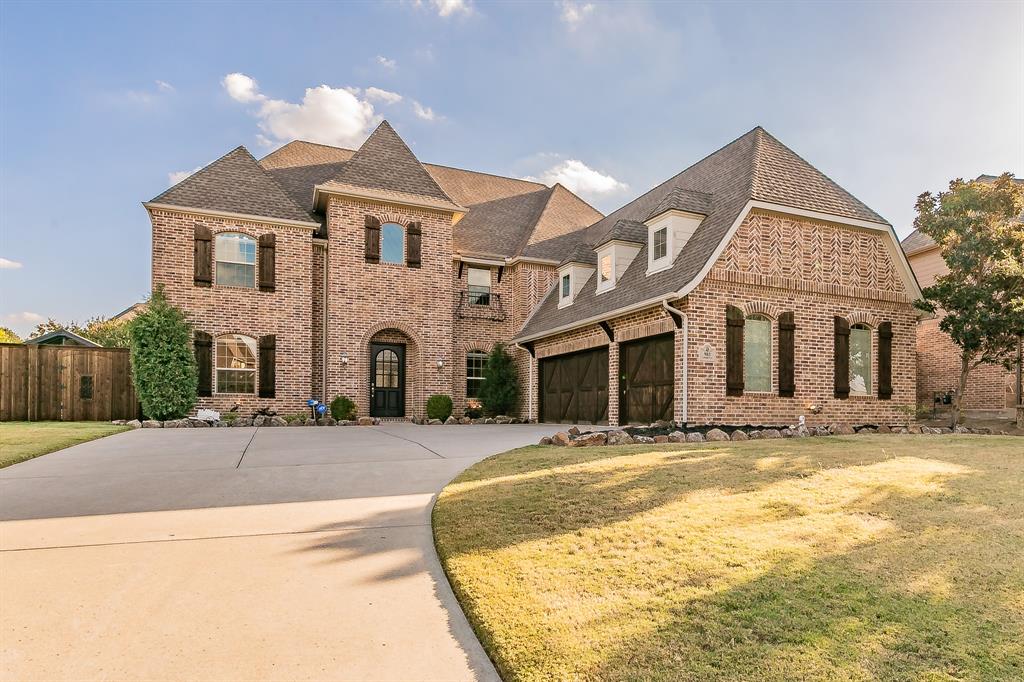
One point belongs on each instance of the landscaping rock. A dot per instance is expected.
(945, 430)
(502, 419)
(434, 422)
(297, 422)
(465, 420)
(867, 429)
(695, 437)
(821, 431)
(171, 423)
(152, 424)
(661, 439)
(134, 423)
(739, 435)
(515, 420)
(325, 421)
(619, 438)
(489, 420)
(787, 433)
(840, 430)
(545, 441)
(561, 438)
(661, 424)
(574, 430)
(365, 421)
(451, 420)
(258, 420)
(802, 432)
(309, 421)
(643, 440)
(771, 433)
(883, 429)
(755, 435)
(960, 428)
(118, 422)
(589, 439)
(195, 424)
(716, 435)
(677, 437)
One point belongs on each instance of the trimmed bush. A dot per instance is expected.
(499, 389)
(343, 409)
(163, 360)
(439, 407)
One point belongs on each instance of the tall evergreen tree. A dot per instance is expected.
(163, 360)
(499, 390)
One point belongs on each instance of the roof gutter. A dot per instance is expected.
(152, 206)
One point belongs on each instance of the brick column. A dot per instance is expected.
(613, 383)
(680, 362)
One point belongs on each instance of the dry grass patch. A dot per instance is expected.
(867, 557)
(24, 440)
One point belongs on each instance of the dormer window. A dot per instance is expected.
(659, 244)
(605, 268)
(566, 290)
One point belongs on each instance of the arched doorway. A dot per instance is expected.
(387, 380)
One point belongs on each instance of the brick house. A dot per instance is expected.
(748, 288)
(991, 389)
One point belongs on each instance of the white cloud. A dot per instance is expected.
(177, 176)
(164, 86)
(8, 264)
(425, 113)
(389, 64)
(579, 178)
(447, 8)
(24, 318)
(575, 12)
(385, 96)
(334, 116)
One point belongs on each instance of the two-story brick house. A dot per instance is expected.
(748, 288)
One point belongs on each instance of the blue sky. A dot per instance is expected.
(101, 103)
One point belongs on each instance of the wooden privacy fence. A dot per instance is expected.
(65, 383)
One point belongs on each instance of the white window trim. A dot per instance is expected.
(255, 260)
(771, 354)
(609, 253)
(380, 245)
(479, 379)
(217, 369)
(565, 299)
(665, 262)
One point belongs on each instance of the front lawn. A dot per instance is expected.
(841, 558)
(24, 440)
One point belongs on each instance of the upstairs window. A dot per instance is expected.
(860, 360)
(605, 268)
(566, 287)
(475, 363)
(757, 354)
(392, 249)
(236, 364)
(479, 286)
(236, 260)
(659, 244)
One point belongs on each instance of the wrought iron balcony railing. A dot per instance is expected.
(480, 306)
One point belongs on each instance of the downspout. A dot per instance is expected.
(529, 386)
(684, 324)
(323, 329)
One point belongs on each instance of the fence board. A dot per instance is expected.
(69, 383)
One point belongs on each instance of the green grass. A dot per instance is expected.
(845, 558)
(24, 440)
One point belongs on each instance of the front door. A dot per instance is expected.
(387, 380)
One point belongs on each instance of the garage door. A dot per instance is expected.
(574, 388)
(648, 381)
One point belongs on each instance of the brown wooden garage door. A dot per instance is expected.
(648, 382)
(574, 388)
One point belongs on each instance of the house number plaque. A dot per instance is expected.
(706, 353)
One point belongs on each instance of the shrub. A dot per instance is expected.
(439, 407)
(228, 416)
(163, 361)
(297, 417)
(499, 389)
(343, 409)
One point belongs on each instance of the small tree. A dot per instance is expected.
(163, 361)
(107, 333)
(7, 335)
(500, 388)
(977, 227)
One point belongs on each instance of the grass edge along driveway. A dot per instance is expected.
(20, 441)
(853, 558)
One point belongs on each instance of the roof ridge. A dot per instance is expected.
(525, 241)
(203, 170)
(277, 184)
(755, 160)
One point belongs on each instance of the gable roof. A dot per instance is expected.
(76, 339)
(234, 183)
(754, 167)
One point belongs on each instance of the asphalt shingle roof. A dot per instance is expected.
(755, 166)
(235, 183)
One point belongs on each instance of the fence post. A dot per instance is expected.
(32, 408)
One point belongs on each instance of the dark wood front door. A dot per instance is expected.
(387, 380)
(647, 380)
(574, 388)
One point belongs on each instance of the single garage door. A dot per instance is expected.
(574, 387)
(648, 380)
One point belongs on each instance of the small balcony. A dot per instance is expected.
(480, 306)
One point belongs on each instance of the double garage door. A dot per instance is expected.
(574, 387)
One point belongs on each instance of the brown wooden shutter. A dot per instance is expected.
(202, 257)
(885, 361)
(372, 236)
(842, 358)
(413, 240)
(204, 364)
(268, 363)
(734, 321)
(268, 267)
(787, 352)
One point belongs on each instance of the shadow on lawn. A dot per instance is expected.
(906, 565)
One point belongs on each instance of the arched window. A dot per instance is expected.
(475, 363)
(757, 354)
(236, 364)
(392, 249)
(860, 359)
(236, 260)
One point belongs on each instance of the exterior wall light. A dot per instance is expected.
(344, 358)
(440, 363)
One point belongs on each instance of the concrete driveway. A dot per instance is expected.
(272, 553)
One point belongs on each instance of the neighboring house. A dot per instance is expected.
(749, 288)
(130, 313)
(722, 295)
(990, 388)
(62, 337)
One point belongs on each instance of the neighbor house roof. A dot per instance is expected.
(235, 183)
(63, 335)
(754, 167)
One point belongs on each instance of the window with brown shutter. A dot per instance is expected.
(267, 263)
(885, 361)
(413, 240)
(734, 321)
(372, 239)
(202, 256)
(841, 358)
(204, 364)
(267, 364)
(787, 352)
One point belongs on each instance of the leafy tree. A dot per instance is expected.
(978, 229)
(7, 335)
(500, 388)
(163, 362)
(107, 333)
(52, 325)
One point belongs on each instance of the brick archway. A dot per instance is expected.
(400, 333)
